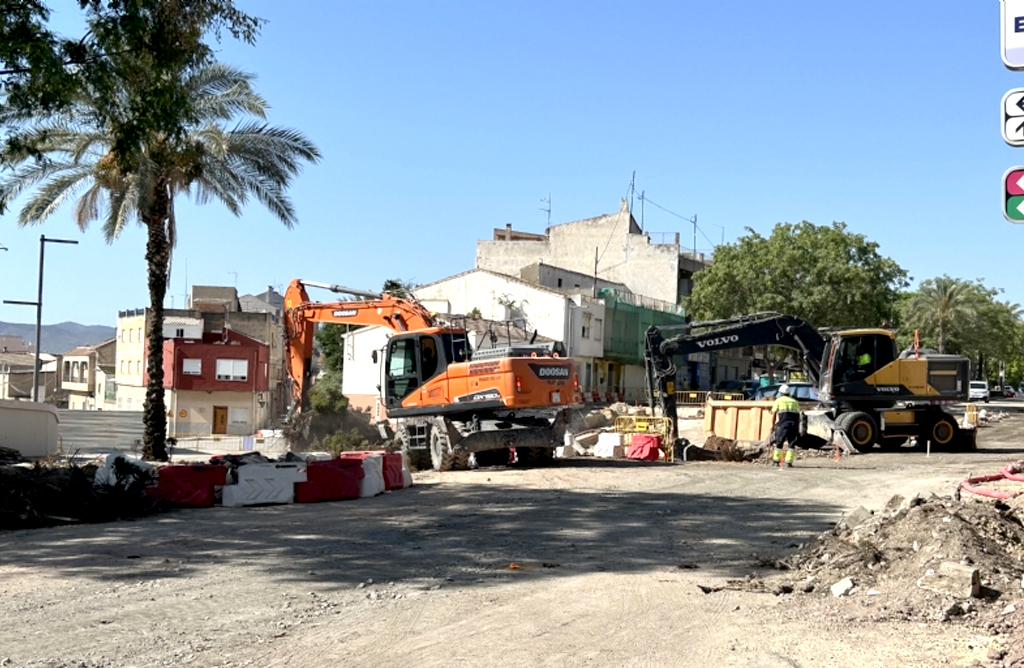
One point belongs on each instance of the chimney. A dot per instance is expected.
(508, 231)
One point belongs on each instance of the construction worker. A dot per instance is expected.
(786, 427)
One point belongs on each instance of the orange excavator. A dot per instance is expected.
(445, 401)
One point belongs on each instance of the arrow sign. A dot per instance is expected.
(1013, 195)
(1013, 114)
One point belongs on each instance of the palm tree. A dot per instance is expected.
(940, 303)
(70, 155)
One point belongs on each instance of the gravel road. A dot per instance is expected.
(588, 563)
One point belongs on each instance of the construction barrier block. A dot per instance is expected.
(391, 463)
(406, 471)
(372, 483)
(189, 485)
(330, 480)
(264, 483)
(609, 446)
(646, 447)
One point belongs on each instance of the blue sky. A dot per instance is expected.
(441, 121)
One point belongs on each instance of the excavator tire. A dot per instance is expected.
(943, 433)
(860, 428)
(442, 458)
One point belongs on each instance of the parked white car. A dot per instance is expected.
(978, 391)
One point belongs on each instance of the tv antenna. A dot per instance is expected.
(547, 201)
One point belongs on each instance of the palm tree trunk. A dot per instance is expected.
(158, 254)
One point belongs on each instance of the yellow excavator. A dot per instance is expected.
(870, 392)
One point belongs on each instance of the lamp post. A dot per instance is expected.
(39, 309)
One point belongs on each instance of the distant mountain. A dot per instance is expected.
(59, 338)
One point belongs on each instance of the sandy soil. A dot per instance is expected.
(588, 563)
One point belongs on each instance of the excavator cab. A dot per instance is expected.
(413, 359)
(856, 354)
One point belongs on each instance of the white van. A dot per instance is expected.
(978, 391)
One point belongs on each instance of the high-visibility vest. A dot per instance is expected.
(786, 404)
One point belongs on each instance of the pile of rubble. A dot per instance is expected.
(928, 560)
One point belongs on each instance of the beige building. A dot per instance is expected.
(212, 309)
(88, 377)
(606, 250)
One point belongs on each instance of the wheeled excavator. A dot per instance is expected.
(444, 400)
(870, 393)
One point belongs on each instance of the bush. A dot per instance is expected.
(344, 441)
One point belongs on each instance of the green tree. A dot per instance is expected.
(331, 345)
(941, 304)
(132, 57)
(823, 274)
(967, 318)
(209, 162)
(399, 288)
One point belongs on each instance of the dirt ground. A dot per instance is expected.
(588, 563)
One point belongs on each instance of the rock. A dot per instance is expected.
(565, 452)
(952, 579)
(843, 587)
(857, 516)
(996, 654)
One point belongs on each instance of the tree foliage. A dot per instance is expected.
(967, 318)
(332, 347)
(132, 59)
(823, 274)
(399, 288)
(73, 154)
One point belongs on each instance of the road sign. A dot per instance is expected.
(1013, 117)
(1012, 33)
(1013, 195)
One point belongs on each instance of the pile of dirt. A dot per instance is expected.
(44, 495)
(937, 559)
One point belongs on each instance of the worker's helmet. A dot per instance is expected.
(784, 390)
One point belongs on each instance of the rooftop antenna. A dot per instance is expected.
(632, 190)
(236, 278)
(547, 200)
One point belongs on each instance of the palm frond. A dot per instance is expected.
(52, 195)
(88, 209)
(123, 206)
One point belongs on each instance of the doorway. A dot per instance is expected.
(220, 419)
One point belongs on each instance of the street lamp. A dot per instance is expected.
(39, 309)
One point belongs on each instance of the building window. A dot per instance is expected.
(559, 282)
(597, 329)
(131, 334)
(67, 371)
(232, 369)
(138, 367)
(122, 367)
(192, 367)
(238, 415)
(179, 333)
(585, 333)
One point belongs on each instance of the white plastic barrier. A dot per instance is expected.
(609, 446)
(264, 483)
(372, 483)
(406, 471)
(29, 427)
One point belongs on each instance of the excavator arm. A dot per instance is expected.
(301, 316)
(763, 329)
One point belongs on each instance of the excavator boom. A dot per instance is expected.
(302, 314)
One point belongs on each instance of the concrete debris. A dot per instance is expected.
(856, 516)
(565, 452)
(952, 579)
(842, 588)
